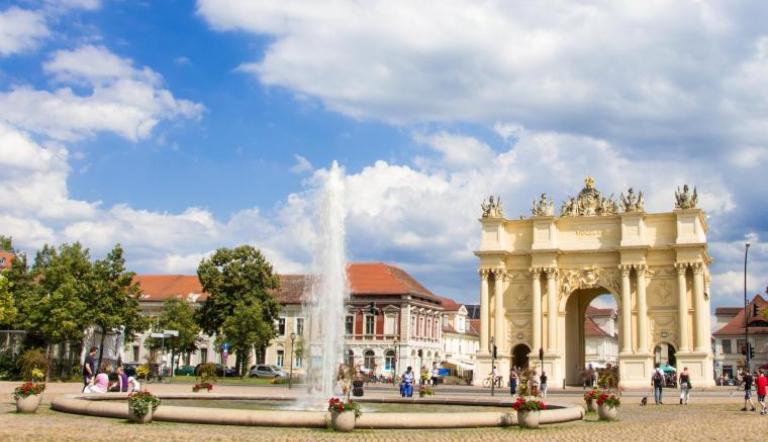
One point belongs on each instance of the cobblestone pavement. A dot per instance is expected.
(708, 419)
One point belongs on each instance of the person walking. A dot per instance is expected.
(657, 382)
(748, 380)
(512, 381)
(685, 386)
(543, 384)
(406, 386)
(761, 384)
(435, 374)
(89, 367)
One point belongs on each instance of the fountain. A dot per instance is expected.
(326, 306)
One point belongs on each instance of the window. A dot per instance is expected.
(203, 355)
(300, 326)
(389, 325)
(281, 327)
(136, 349)
(370, 322)
(727, 346)
(413, 326)
(369, 360)
(349, 325)
(389, 361)
(187, 358)
(298, 361)
(429, 327)
(280, 358)
(422, 331)
(741, 345)
(350, 358)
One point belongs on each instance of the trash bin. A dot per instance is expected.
(357, 388)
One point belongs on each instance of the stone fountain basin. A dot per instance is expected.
(114, 405)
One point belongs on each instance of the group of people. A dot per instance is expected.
(659, 380)
(760, 382)
(99, 382)
(535, 382)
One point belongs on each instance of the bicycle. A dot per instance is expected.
(496, 381)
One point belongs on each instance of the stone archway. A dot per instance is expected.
(655, 265)
(520, 356)
(575, 308)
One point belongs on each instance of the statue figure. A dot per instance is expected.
(544, 207)
(589, 202)
(492, 208)
(686, 199)
(632, 202)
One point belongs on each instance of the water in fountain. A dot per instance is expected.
(326, 308)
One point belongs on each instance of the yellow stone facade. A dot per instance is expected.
(538, 275)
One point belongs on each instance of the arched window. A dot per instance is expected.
(369, 360)
(389, 360)
(350, 358)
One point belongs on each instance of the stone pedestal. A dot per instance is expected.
(700, 367)
(635, 370)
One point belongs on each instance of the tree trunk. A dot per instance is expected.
(50, 362)
(101, 348)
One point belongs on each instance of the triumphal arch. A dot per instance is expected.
(539, 273)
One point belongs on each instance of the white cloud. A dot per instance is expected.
(122, 99)
(21, 30)
(302, 164)
(457, 150)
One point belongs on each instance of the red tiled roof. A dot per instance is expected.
(736, 325)
(474, 326)
(164, 287)
(594, 311)
(364, 279)
(449, 304)
(6, 258)
(728, 311)
(591, 329)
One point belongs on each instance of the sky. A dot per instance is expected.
(177, 127)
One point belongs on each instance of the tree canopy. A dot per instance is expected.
(178, 315)
(250, 325)
(232, 278)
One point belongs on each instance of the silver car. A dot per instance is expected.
(267, 371)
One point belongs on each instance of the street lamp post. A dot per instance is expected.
(746, 313)
(290, 376)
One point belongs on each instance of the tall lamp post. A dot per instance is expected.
(746, 313)
(290, 376)
(395, 344)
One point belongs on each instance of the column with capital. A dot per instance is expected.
(551, 310)
(484, 311)
(702, 309)
(642, 310)
(682, 307)
(498, 298)
(536, 310)
(626, 311)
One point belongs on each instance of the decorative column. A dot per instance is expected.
(682, 307)
(536, 310)
(626, 311)
(642, 311)
(702, 309)
(498, 298)
(551, 310)
(484, 310)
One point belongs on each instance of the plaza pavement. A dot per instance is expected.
(712, 415)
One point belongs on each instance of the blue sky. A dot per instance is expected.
(177, 127)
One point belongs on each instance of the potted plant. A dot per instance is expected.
(141, 405)
(607, 406)
(528, 411)
(203, 386)
(343, 414)
(590, 397)
(28, 396)
(425, 390)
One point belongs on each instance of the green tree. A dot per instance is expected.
(178, 315)
(8, 310)
(250, 325)
(236, 278)
(56, 309)
(113, 300)
(6, 243)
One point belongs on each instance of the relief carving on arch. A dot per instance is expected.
(588, 278)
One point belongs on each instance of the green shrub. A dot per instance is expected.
(32, 359)
(206, 373)
(9, 368)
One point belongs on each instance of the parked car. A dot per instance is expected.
(185, 370)
(230, 372)
(267, 371)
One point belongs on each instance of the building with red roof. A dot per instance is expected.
(601, 343)
(730, 339)
(391, 317)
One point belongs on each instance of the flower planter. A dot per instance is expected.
(591, 406)
(28, 404)
(147, 418)
(528, 419)
(344, 421)
(607, 413)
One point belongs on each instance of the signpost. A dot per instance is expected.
(162, 336)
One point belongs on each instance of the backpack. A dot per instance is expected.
(657, 378)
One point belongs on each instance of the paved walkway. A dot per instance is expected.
(707, 418)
